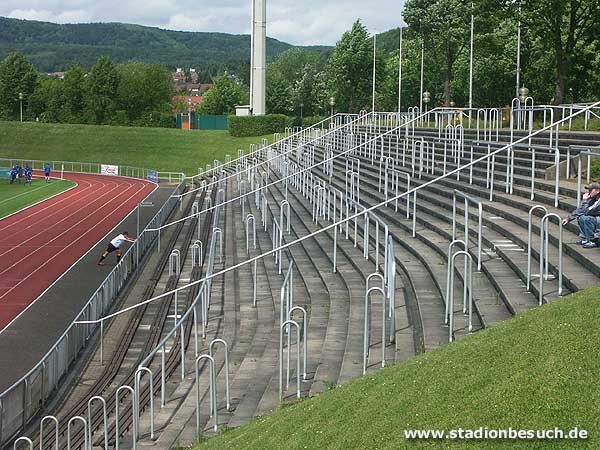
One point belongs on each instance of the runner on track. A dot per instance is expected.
(115, 245)
(47, 170)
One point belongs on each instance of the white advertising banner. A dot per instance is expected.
(107, 169)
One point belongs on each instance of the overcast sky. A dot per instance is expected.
(303, 22)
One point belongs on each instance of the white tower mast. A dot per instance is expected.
(259, 58)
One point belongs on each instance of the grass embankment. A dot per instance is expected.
(536, 371)
(153, 148)
(14, 197)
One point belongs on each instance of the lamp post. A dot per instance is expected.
(21, 104)
(332, 104)
(422, 68)
(374, 69)
(471, 64)
(519, 51)
(523, 94)
(137, 229)
(426, 99)
(400, 73)
(301, 112)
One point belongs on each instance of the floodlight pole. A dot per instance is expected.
(400, 73)
(422, 68)
(518, 53)
(259, 57)
(374, 68)
(471, 64)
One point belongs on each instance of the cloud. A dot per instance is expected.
(310, 22)
(44, 15)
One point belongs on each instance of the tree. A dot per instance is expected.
(279, 94)
(74, 93)
(17, 76)
(350, 69)
(443, 25)
(103, 84)
(143, 88)
(294, 83)
(48, 100)
(566, 28)
(224, 96)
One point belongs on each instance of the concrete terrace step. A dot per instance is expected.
(333, 314)
(441, 197)
(436, 262)
(351, 366)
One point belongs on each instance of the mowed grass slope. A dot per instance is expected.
(540, 370)
(153, 148)
(14, 197)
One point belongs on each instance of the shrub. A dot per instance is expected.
(258, 125)
(308, 122)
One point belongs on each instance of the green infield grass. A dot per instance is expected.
(14, 197)
(153, 148)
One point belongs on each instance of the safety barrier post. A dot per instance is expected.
(23, 439)
(250, 219)
(211, 352)
(286, 324)
(213, 393)
(135, 420)
(138, 377)
(367, 323)
(89, 418)
(544, 254)
(529, 243)
(467, 290)
(86, 444)
(56, 431)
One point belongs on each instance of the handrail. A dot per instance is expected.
(589, 156)
(544, 234)
(469, 200)
(467, 289)
(56, 432)
(104, 294)
(211, 352)
(213, 393)
(89, 418)
(367, 325)
(529, 243)
(135, 418)
(328, 227)
(273, 145)
(130, 171)
(287, 323)
(268, 161)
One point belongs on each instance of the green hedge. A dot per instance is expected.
(308, 122)
(258, 125)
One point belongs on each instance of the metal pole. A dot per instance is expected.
(374, 68)
(518, 52)
(422, 67)
(471, 65)
(400, 75)
(137, 234)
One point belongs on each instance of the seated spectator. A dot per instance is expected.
(587, 215)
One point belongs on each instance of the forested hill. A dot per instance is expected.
(53, 47)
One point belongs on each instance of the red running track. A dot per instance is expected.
(42, 242)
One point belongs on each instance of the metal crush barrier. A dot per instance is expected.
(22, 401)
